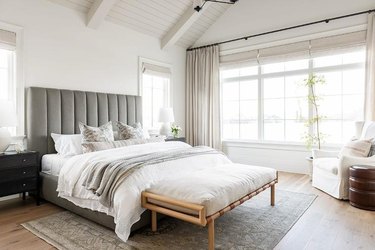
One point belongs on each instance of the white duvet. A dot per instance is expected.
(127, 208)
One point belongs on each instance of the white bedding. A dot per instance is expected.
(127, 208)
(216, 187)
(52, 163)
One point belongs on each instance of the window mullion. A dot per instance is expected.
(152, 103)
(260, 105)
(284, 109)
(239, 109)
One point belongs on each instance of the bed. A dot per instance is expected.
(118, 187)
(59, 111)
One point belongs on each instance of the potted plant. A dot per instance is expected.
(313, 136)
(175, 129)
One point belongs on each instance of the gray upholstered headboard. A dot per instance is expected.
(59, 111)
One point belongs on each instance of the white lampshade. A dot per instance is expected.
(8, 116)
(166, 115)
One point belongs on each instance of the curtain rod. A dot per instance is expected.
(284, 29)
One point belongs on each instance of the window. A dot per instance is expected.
(155, 93)
(7, 86)
(269, 102)
(7, 69)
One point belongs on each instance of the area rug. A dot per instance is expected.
(253, 225)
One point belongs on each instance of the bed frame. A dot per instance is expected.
(60, 111)
(201, 219)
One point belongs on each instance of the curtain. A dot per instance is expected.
(203, 97)
(370, 69)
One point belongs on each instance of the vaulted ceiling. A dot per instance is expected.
(174, 22)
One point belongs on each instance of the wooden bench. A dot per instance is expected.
(195, 213)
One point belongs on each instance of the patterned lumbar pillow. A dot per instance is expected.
(88, 147)
(359, 148)
(103, 133)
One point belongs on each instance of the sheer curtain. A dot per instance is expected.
(202, 97)
(370, 69)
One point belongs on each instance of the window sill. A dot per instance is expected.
(275, 145)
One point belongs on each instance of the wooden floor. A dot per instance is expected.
(327, 224)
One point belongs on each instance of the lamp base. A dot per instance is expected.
(5, 139)
(165, 129)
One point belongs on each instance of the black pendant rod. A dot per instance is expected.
(285, 29)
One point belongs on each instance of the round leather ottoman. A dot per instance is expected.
(362, 187)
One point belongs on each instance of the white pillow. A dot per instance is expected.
(67, 145)
(359, 148)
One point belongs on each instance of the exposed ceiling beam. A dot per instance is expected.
(179, 29)
(98, 11)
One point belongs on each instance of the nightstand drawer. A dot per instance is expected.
(19, 160)
(14, 187)
(17, 173)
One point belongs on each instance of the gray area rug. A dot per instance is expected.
(253, 225)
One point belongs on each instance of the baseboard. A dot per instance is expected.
(5, 198)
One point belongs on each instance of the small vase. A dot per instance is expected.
(175, 134)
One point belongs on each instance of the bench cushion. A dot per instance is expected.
(214, 188)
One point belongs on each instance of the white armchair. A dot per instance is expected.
(331, 174)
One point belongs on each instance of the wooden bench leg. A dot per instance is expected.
(154, 221)
(273, 195)
(211, 235)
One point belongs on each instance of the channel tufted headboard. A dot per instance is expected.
(60, 111)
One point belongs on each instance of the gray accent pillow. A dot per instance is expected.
(372, 150)
(88, 147)
(103, 133)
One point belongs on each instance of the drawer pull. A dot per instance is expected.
(24, 185)
(24, 160)
(24, 172)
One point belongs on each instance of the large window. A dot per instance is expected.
(269, 101)
(155, 93)
(8, 70)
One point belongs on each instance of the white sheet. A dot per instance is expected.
(127, 200)
(52, 163)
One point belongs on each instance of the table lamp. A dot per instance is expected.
(8, 118)
(166, 117)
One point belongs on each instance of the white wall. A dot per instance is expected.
(59, 51)
(257, 16)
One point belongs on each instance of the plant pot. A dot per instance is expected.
(310, 166)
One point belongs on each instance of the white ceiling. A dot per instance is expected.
(158, 18)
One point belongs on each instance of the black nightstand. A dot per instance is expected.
(19, 173)
(171, 138)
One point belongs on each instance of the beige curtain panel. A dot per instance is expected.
(370, 69)
(202, 97)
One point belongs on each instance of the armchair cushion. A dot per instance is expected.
(327, 164)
